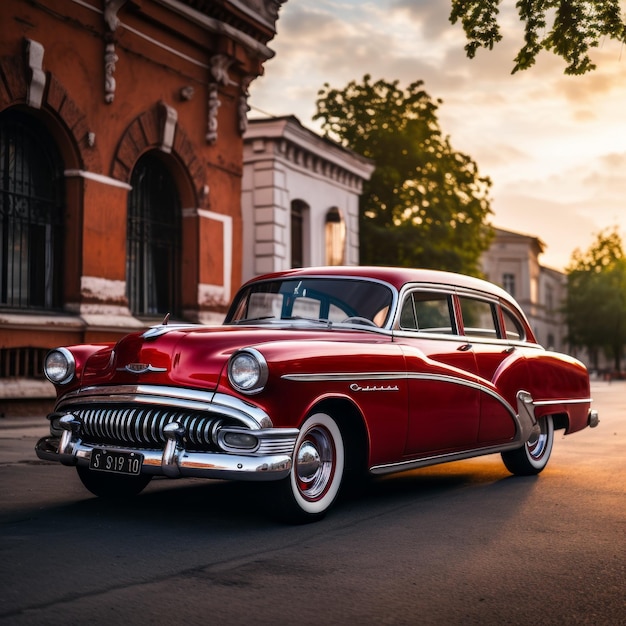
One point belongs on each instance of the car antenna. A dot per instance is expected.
(166, 320)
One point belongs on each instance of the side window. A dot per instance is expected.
(428, 312)
(513, 327)
(408, 318)
(479, 318)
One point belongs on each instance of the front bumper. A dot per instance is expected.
(174, 461)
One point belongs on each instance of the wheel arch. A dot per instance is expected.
(560, 421)
(351, 423)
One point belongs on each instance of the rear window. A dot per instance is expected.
(513, 326)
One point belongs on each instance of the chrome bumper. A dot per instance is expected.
(174, 461)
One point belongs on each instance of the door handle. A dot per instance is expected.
(465, 347)
(509, 350)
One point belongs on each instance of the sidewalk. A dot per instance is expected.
(32, 421)
(24, 413)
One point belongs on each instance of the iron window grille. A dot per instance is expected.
(31, 215)
(153, 240)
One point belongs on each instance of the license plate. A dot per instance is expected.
(116, 461)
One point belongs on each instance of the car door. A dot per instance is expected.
(499, 363)
(443, 402)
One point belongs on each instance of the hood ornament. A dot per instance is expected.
(141, 368)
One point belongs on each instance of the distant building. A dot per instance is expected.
(512, 261)
(300, 202)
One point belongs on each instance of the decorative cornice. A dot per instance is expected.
(308, 150)
(252, 33)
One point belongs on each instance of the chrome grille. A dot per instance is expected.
(143, 426)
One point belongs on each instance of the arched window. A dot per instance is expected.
(299, 244)
(31, 215)
(153, 245)
(335, 237)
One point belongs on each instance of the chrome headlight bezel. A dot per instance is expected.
(62, 372)
(248, 371)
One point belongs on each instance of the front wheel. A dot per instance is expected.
(112, 486)
(533, 456)
(316, 474)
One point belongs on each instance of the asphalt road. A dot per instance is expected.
(463, 543)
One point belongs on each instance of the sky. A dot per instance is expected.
(553, 145)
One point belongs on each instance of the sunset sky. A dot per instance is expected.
(553, 145)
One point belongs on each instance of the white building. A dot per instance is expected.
(512, 261)
(300, 198)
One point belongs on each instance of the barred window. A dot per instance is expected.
(153, 240)
(31, 215)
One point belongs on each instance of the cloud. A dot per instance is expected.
(557, 224)
(552, 144)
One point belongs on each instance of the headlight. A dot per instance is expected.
(247, 371)
(59, 366)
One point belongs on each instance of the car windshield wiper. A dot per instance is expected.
(315, 320)
(252, 320)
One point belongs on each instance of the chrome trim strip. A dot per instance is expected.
(389, 468)
(175, 393)
(571, 401)
(345, 376)
(156, 331)
(193, 399)
(362, 376)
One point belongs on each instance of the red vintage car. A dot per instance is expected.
(317, 376)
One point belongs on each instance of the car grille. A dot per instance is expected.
(143, 426)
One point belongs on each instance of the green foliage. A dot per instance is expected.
(596, 301)
(425, 205)
(577, 27)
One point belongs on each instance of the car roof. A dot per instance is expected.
(395, 276)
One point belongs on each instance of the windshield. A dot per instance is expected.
(334, 300)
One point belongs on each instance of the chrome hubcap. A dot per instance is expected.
(308, 462)
(315, 463)
(538, 442)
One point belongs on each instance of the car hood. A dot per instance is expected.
(195, 356)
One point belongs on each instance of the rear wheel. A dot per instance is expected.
(533, 456)
(112, 486)
(317, 472)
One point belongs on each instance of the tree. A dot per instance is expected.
(595, 307)
(577, 27)
(425, 204)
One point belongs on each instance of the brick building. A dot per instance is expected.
(121, 147)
